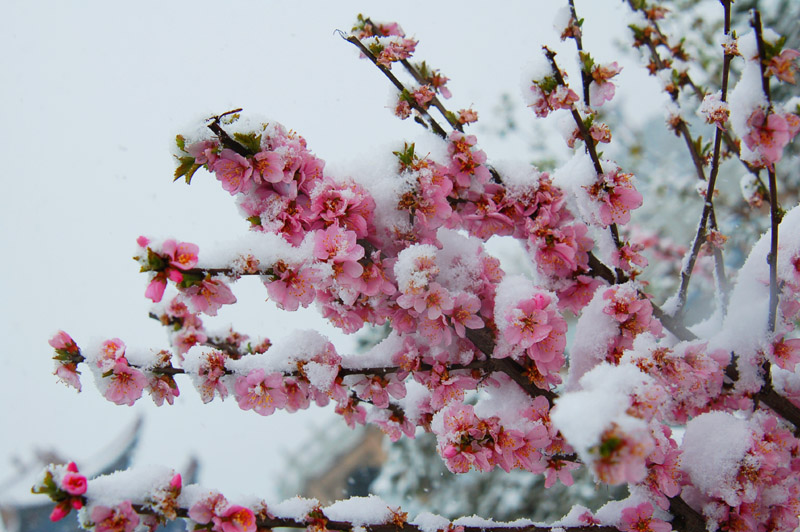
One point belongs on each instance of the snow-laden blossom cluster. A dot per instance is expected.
(482, 359)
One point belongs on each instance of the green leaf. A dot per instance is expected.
(406, 156)
(185, 166)
(548, 84)
(254, 220)
(773, 49)
(155, 262)
(587, 62)
(423, 70)
(181, 142)
(608, 446)
(190, 174)
(375, 47)
(250, 141)
(190, 279)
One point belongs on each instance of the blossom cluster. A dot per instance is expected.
(475, 356)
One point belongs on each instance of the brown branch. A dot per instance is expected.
(435, 127)
(587, 138)
(774, 215)
(401, 525)
(435, 101)
(685, 518)
(586, 78)
(223, 136)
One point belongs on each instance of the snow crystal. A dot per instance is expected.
(416, 402)
(320, 376)
(378, 356)
(582, 416)
(511, 290)
(593, 333)
(296, 508)
(537, 69)
(460, 258)
(745, 328)
(575, 177)
(561, 19)
(371, 510)
(713, 446)
(428, 522)
(267, 248)
(134, 485)
(506, 401)
(410, 277)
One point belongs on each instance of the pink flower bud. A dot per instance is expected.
(59, 512)
(72, 467)
(74, 484)
(176, 482)
(450, 451)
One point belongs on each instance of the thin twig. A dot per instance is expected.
(435, 127)
(774, 214)
(586, 78)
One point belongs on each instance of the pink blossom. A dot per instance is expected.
(783, 65)
(628, 254)
(209, 295)
(125, 384)
(620, 456)
(267, 167)
(601, 90)
(353, 413)
(559, 470)
(423, 95)
(204, 152)
(73, 483)
(233, 170)
(467, 116)
(121, 518)
(640, 519)
(562, 97)
(377, 389)
(396, 51)
(540, 105)
(402, 110)
(297, 394)
(182, 255)
(464, 313)
(785, 353)
(212, 369)
(237, 519)
(767, 136)
(155, 289)
(292, 288)
(67, 372)
(260, 392)
(531, 322)
(338, 246)
(163, 388)
(63, 341)
(209, 509)
(60, 511)
(578, 293)
(111, 351)
(617, 197)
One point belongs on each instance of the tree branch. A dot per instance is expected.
(435, 127)
(774, 215)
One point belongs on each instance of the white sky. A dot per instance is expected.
(93, 94)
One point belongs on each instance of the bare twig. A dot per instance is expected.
(435, 127)
(774, 215)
